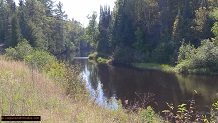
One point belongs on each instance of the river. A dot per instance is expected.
(107, 84)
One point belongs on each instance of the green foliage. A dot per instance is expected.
(162, 53)
(138, 44)
(186, 52)
(45, 27)
(98, 57)
(11, 52)
(102, 60)
(39, 59)
(214, 29)
(92, 30)
(213, 112)
(123, 55)
(201, 59)
(148, 115)
(103, 40)
(22, 50)
(154, 66)
(188, 113)
(93, 56)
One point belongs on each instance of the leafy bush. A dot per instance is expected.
(187, 113)
(102, 60)
(40, 58)
(66, 75)
(204, 58)
(20, 51)
(93, 56)
(99, 57)
(148, 115)
(186, 52)
(11, 52)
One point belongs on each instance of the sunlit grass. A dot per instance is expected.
(28, 92)
(154, 66)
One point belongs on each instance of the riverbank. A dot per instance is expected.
(29, 92)
(172, 69)
(98, 58)
(154, 66)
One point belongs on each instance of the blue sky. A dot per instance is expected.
(79, 9)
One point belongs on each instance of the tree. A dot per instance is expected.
(92, 30)
(104, 31)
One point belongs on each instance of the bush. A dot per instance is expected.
(204, 58)
(184, 66)
(93, 56)
(102, 60)
(11, 52)
(186, 52)
(20, 51)
(39, 59)
(99, 57)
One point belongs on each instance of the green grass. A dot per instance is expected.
(101, 60)
(154, 66)
(98, 58)
(28, 92)
(187, 66)
(180, 68)
(93, 56)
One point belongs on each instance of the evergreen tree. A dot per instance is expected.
(104, 29)
(92, 30)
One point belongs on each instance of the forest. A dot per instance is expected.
(178, 33)
(42, 23)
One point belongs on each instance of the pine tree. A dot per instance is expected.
(104, 30)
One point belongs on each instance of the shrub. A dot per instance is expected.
(40, 59)
(11, 52)
(148, 115)
(93, 56)
(186, 52)
(20, 51)
(205, 57)
(102, 60)
(184, 66)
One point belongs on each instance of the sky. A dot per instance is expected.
(79, 9)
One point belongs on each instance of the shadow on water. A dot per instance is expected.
(107, 83)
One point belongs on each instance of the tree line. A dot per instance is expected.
(162, 31)
(158, 31)
(42, 23)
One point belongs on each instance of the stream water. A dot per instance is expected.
(108, 83)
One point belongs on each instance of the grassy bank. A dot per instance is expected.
(29, 92)
(24, 91)
(177, 69)
(98, 58)
(154, 66)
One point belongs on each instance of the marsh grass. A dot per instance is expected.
(154, 66)
(98, 58)
(25, 92)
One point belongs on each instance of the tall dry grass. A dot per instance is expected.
(27, 92)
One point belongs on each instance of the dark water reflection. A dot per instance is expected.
(108, 83)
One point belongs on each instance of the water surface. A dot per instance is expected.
(108, 83)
